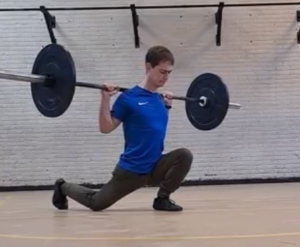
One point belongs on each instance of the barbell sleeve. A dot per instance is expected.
(8, 75)
(234, 106)
(202, 99)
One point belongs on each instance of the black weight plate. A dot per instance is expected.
(54, 60)
(212, 115)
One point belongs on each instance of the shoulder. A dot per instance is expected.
(128, 95)
(124, 98)
(131, 91)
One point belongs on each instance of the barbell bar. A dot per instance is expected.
(202, 101)
(53, 83)
(8, 75)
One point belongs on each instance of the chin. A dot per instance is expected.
(160, 84)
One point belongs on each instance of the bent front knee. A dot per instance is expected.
(186, 155)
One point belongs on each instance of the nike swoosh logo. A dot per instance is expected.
(143, 103)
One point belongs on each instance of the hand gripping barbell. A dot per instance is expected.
(53, 83)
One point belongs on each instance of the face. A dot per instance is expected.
(159, 74)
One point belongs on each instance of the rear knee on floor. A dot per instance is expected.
(99, 206)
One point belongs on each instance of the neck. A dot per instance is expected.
(146, 84)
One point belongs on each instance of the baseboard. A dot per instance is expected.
(185, 183)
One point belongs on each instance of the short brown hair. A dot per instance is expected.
(158, 54)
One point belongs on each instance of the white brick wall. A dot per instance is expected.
(258, 60)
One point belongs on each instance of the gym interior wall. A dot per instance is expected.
(258, 60)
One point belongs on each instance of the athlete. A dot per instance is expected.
(144, 113)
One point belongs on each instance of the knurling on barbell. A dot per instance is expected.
(53, 83)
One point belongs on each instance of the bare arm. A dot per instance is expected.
(107, 123)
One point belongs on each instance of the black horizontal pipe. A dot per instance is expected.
(97, 86)
(123, 89)
(154, 7)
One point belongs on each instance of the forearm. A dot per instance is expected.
(106, 123)
(169, 107)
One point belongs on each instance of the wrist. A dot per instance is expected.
(105, 97)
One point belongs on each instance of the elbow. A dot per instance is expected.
(104, 130)
(107, 127)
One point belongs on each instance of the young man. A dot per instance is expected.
(144, 115)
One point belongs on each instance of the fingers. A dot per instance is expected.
(168, 95)
(110, 89)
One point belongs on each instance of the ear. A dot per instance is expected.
(147, 67)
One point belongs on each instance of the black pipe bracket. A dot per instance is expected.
(298, 20)
(135, 22)
(50, 22)
(218, 17)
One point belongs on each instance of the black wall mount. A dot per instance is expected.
(50, 22)
(298, 20)
(135, 22)
(218, 17)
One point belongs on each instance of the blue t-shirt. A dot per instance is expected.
(145, 120)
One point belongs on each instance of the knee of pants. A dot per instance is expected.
(186, 156)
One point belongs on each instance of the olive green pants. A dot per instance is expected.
(168, 174)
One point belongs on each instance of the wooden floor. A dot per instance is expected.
(237, 215)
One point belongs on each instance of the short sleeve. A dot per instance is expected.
(120, 108)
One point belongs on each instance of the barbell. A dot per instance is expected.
(53, 82)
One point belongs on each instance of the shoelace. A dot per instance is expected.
(171, 201)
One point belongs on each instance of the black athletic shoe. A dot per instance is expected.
(165, 204)
(59, 200)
